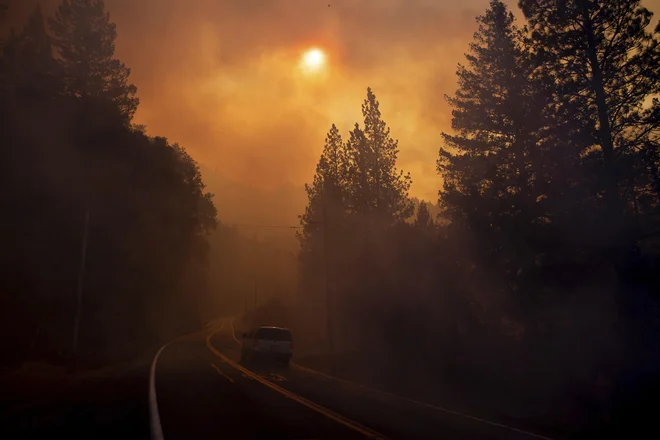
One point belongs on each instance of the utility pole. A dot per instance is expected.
(81, 275)
(328, 295)
(255, 292)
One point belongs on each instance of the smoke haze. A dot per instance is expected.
(253, 121)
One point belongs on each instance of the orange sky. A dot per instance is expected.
(221, 78)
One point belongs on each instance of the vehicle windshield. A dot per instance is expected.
(273, 334)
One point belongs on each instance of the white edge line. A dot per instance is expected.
(427, 405)
(156, 428)
(154, 416)
(216, 368)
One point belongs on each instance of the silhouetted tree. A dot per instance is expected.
(377, 191)
(85, 41)
(327, 193)
(357, 183)
(324, 221)
(29, 67)
(494, 173)
(356, 198)
(68, 150)
(423, 220)
(603, 61)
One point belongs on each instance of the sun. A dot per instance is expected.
(313, 60)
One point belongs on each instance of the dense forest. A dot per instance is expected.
(535, 276)
(93, 207)
(539, 280)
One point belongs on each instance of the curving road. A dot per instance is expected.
(199, 391)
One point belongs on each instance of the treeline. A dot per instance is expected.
(77, 173)
(539, 284)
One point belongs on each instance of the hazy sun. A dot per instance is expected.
(313, 60)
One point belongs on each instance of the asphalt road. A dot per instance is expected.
(202, 392)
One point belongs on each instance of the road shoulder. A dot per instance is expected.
(44, 400)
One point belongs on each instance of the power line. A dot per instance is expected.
(267, 226)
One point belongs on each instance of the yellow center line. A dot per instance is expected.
(367, 432)
(423, 404)
(221, 373)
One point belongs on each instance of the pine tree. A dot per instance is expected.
(29, 67)
(323, 222)
(377, 191)
(35, 39)
(326, 194)
(497, 169)
(604, 63)
(85, 41)
(423, 220)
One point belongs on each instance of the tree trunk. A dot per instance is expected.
(605, 131)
